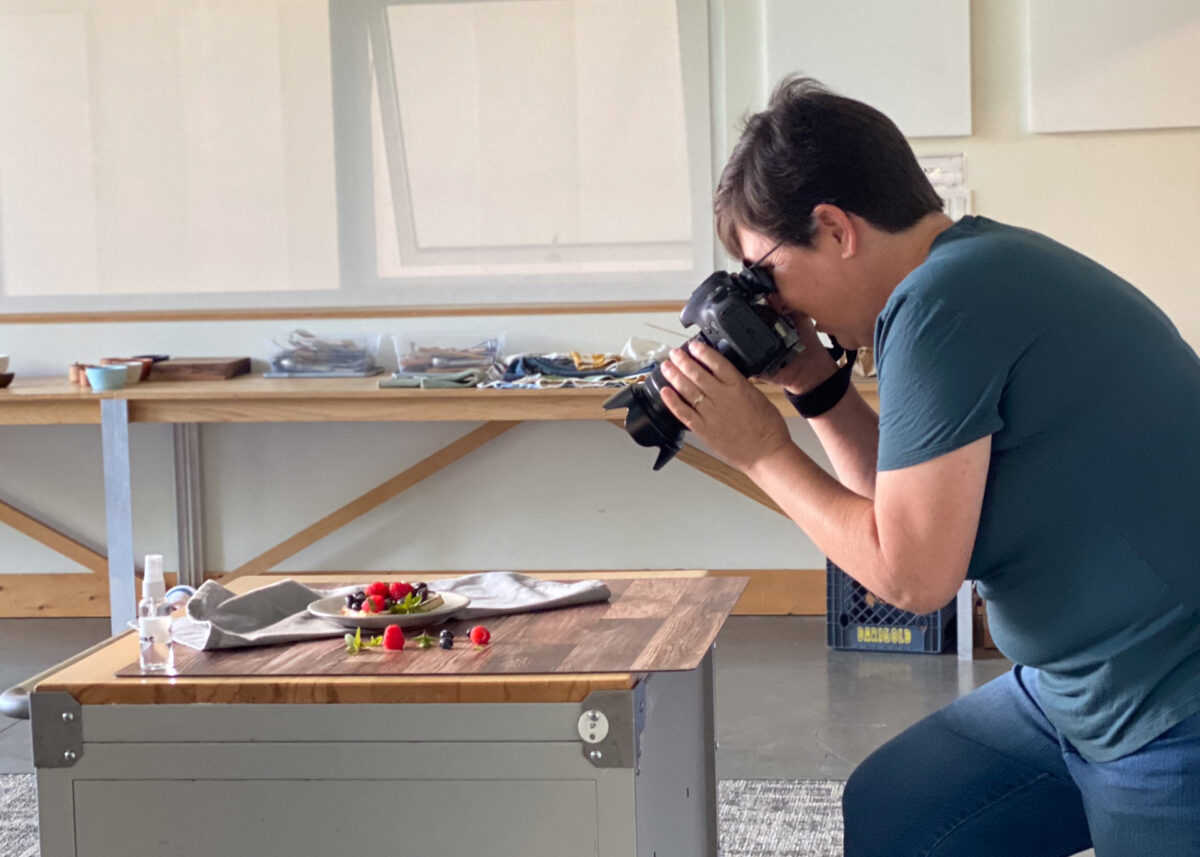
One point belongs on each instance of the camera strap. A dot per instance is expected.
(823, 397)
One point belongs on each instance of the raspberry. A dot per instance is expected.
(378, 588)
(373, 604)
(399, 589)
(393, 638)
(480, 635)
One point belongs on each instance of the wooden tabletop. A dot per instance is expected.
(252, 398)
(93, 680)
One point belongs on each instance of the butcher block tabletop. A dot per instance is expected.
(655, 621)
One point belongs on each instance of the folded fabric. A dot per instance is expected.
(278, 612)
(495, 593)
(554, 382)
(562, 366)
(593, 361)
(436, 380)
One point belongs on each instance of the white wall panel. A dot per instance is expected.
(1100, 65)
(912, 60)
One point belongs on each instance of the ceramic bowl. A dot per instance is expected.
(146, 363)
(106, 377)
(133, 372)
(143, 367)
(6, 379)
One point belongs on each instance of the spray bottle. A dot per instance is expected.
(154, 620)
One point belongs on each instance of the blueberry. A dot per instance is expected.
(350, 601)
(446, 642)
(446, 632)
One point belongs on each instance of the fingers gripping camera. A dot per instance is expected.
(735, 318)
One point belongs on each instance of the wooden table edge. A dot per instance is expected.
(80, 679)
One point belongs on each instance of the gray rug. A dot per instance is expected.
(18, 816)
(758, 818)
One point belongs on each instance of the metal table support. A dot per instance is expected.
(118, 507)
(189, 503)
(966, 621)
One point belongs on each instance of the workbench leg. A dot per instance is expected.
(189, 502)
(118, 511)
(710, 741)
(966, 621)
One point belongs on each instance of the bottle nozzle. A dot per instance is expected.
(153, 585)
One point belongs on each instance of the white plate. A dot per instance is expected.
(331, 608)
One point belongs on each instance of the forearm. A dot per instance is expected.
(843, 525)
(849, 433)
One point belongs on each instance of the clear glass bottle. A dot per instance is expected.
(154, 620)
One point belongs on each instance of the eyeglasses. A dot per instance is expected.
(765, 255)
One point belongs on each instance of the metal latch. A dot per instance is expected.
(57, 721)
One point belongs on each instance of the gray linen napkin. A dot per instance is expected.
(495, 593)
(275, 613)
(278, 612)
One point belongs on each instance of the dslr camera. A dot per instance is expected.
(735, 318)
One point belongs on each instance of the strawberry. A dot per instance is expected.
(399, 589)
(378, 588)
(480, 635)
(393, 638)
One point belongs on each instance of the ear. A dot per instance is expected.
(840, 228)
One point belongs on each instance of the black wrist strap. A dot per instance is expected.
(823, 397)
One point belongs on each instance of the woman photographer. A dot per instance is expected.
(1073, 498)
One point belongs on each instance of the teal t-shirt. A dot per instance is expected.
(1088, 550)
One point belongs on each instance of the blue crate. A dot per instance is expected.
(856, 619)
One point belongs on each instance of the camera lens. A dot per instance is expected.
(648, 421)
(735, 318)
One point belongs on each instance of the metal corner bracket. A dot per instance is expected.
(610, 727)
(57, 721)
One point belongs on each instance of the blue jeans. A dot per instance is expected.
(989, 776)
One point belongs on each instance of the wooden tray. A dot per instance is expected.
(647, 625)
(199, 368)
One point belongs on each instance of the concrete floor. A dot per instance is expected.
(787, 707)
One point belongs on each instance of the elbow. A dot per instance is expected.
(921, 602)
(922, 592)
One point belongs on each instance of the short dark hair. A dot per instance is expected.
(811, 146)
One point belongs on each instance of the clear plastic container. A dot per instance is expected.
(441, 351)
(303, 354)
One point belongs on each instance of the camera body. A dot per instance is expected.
(735, 318)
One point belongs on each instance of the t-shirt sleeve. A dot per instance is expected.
(940, 382)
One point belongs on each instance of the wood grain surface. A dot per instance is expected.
(252, 398)
(199, 368)
(647, 625)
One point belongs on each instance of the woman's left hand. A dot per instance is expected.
(721, 407)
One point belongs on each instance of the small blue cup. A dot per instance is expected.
(106, 377)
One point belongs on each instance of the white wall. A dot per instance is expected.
(578, 495)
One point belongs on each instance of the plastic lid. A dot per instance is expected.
(152, 584)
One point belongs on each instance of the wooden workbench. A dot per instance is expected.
(93, 680)
(253, 399)
(588, 764)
